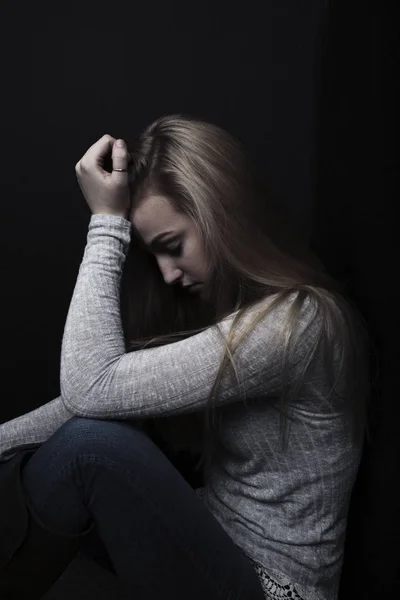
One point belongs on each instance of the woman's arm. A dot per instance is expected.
(32, 428)
(99, 379)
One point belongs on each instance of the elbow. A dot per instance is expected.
(78, 404)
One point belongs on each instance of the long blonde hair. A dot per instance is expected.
(254, 253)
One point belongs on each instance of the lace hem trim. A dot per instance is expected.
(271, 588)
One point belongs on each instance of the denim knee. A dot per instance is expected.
(84, 436)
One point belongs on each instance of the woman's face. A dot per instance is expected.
(179, 253)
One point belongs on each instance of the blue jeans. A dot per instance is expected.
(158, 537)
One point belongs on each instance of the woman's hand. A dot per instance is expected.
(105, 193)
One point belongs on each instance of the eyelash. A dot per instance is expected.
(175, 251)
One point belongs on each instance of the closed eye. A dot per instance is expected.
(176, 250)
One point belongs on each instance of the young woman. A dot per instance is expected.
(232, 342)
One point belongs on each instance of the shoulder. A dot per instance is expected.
(269, 321)
(295, 310)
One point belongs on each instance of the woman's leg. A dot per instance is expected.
(161, 539)
(39, 559)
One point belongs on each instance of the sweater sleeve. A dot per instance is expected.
(99, 379)
(32, 428)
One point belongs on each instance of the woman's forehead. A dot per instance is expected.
(155, 215)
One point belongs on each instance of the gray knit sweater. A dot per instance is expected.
(286, 510)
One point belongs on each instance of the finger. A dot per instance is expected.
(97, 152)
(120, 160)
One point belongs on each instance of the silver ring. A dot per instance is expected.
(120, 169)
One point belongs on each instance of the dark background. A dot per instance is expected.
(310, 89)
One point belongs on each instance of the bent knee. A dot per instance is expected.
(86, 435)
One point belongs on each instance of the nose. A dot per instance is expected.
(169, 270)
